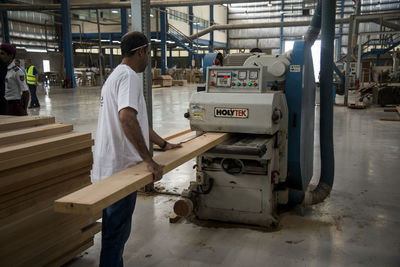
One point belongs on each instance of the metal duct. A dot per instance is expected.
(115, 5)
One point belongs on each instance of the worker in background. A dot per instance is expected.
(3, 73)
(219, 60)
(32, 77)
(15, 85)
(122, 141)
(17, 63)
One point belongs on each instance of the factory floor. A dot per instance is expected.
(358, 225)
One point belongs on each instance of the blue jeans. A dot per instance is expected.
(34, 99)
(116, 228)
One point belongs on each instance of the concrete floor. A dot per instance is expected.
(358, 225)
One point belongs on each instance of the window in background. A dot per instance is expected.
(46, 65)
(316, 55)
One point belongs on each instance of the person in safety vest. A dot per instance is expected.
(32, 77)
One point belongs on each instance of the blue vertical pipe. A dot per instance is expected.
(6, 30)
(124, 19)
(191, 32)
(339, 49)
(111, 54)
(67, 42)
(281, 29)
(378, 60)
(211, 46)
(163, 29)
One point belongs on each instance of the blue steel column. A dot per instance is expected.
(67, 42)
(191, 32)
(163, 28)
(211, 46)
(339, 49)
(281, 29)
(6, 30)
(124, 19)
(111, 54)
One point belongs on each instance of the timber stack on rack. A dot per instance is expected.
(41, 161)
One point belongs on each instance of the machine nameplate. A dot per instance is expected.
(241, 113)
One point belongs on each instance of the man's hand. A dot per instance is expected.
(156, 169)
(172, 146)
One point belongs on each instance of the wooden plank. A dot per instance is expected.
(176, 134)
(94, 198)
(21, 135)
(48, 194)
(25, 192)
(38, 172)
(63, 247)
(70, 255)
(185, 135)
(18, 122)
(390, 119)
(41, 232)
(44, 154)
(40, 144)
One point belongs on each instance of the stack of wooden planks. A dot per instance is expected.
(41, 161)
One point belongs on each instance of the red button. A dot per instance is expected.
(255, 84)
(233, 84)
(244, 84)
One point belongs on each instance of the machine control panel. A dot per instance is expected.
(235, 79)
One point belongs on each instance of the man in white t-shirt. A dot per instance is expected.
(122, 141)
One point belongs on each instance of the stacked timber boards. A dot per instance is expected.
(41, 161)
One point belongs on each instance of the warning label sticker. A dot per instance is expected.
(241, 113)
(295, 68)
(197, 112)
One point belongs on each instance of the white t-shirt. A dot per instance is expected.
(15, 82)
(113, 151)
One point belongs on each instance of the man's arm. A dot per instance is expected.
(133, 132)
(156, 139)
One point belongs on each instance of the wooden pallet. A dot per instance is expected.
(396, 109)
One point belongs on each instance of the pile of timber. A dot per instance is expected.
(162, 80)
(41, 161)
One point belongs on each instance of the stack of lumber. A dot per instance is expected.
(162, 80)
(41, 161)
(178, 82)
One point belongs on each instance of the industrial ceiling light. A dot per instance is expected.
(269, 3)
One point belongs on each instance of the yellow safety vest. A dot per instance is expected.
(30, 78)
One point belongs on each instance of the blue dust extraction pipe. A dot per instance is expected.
(324, 18)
